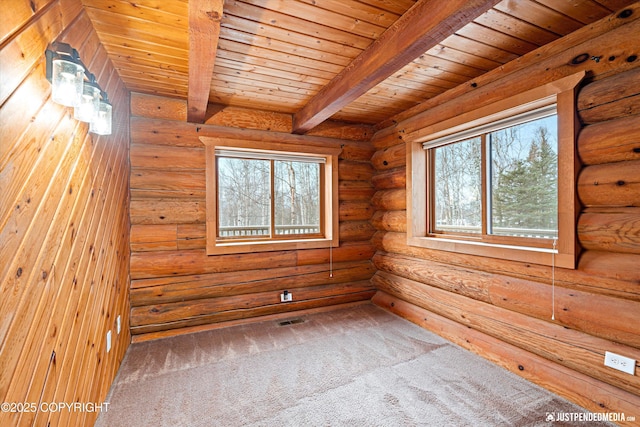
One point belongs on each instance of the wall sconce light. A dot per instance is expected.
(87, 108)
(72, 85)
(101, 123)
(66, 74)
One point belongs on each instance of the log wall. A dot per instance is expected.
(64, 226)
(175, 286)
(502, 309)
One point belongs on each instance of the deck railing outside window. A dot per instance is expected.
(502, 231)
(263, 230)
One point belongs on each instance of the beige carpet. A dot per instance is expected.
(356, 367)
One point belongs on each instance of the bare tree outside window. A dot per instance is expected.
(458, 186)
(246, 192)
(297, 197)
(243, 197)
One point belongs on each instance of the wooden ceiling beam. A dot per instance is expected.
(422, 27)
(204, 30)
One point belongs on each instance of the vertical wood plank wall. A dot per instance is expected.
(175, 286)
(64, 223)
(500, 309)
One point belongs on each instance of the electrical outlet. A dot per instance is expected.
(286, 297)
(108, 340)
(118, 324)
(620, 363)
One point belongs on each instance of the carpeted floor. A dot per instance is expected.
(356, 367)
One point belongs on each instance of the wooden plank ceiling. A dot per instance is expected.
(316, 59)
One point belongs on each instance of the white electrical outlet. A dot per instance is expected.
(620, 363)
(118, 324)
(286, 296)
(108, 340)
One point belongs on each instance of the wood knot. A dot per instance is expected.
(625, 13)
(580, 58)
(214, 16)
(620, 183)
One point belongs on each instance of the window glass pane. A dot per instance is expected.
(243, 197)
(297, 197)
(524, 179)
(458, 187)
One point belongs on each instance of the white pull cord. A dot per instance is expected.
(553, 281)
(331, 259)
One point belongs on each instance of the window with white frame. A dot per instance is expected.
(269, 198)
(499, 181)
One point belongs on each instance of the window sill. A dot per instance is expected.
(527, 254)
(227, 247)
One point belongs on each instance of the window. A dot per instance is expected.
(502, 182)
(499, 181)
(262, 196)
(269, 199)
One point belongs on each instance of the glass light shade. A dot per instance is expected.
(89, 103)
(101, 123)
(67, 81)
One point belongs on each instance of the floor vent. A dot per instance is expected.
(290, 322)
